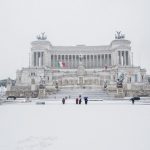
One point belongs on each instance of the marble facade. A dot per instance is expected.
(80, 65)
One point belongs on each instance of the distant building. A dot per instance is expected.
(80, 65)
(55, 67)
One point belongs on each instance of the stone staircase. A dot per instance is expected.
(91, 93)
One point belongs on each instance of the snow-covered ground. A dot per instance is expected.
(100, 125)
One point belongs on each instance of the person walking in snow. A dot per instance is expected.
(63, 101)
(77, 100)
(133, 101)
(80, 100)
(86, 100)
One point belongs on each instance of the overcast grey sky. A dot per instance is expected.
(71, 22)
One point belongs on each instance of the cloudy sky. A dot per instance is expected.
(71, 22)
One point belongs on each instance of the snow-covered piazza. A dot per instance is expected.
(77, 98)
(101, 124)
(81, 110)
(74, 75)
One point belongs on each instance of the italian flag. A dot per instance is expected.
(61, 64)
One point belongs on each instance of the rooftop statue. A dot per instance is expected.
(41, 36)
(119, 35)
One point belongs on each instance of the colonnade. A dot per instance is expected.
(38, 59)
(123, 58)
(88, 61)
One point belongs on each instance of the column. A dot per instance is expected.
(39, 59)
(125, 58)
(107, 60)
(32, 59)
(110, 63)
(60, 58)
(34, 62)
(101, 60)
(70, 58)
(63, 56)
(106, 56)
(69, 61)
(87, 61)
(75, 61)
(36, 59)
(119, 58)
(91, 60)
(104, 61)
(42, 59)
(96, 61)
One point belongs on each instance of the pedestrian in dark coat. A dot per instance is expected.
(63, 100)
(77, 100)
(132, 101)
(80, 100)
(86, 100)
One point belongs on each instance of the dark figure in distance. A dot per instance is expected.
(86, 100)
(80, 100)
(63, 100)
(132, 101)
(77, 100)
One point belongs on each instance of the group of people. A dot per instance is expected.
(78, 100)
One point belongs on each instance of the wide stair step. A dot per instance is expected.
(92, 94)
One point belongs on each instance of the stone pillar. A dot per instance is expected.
(124, 58)
(107, 59)
(127, 58)
(36, 59)
(93, 61)
(32, 59)
(103, 60)
(110, 59)
(119, 58)
(73, 59)
(100, 60)
(39, 59)
(68, 62)
(60, 58)
(87, 61)
(76, 61)
(42, 59)
(96, 61)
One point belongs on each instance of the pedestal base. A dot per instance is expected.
(120, 93)
(42, 93)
